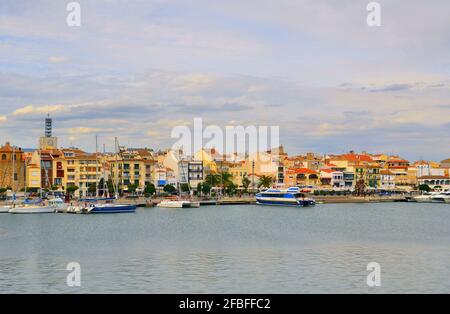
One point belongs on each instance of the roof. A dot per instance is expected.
(357, 157)
(446, 161)
(301, 171)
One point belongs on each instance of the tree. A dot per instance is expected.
(265, 182)
(185, 187)
(424, 187)
(204, 188)
(71, 189)
(149, 189)
(3, 190)
(54, 188)
(246, 183)
(168, 188)
(213, 179)
(225, 178)
(230, 189)
(132, 188)
(92, 188)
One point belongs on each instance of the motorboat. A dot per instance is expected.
(290, 197)
(178, 204)
(441, 197)
(425, 197)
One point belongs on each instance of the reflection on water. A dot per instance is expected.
(245, 249)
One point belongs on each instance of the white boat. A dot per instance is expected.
(424, 198)
(177, 204)
(52, 206)
(5, 208)
(441, 197)
(290, 197)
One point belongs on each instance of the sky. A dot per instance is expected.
(136, 69)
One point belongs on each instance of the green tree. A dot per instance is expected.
(54, 188)
(132, 188)
(225, 178)
(92, 188)
(246, 183)
(149, 189)
(212, 179)
(185, 187)
(230, 189)
(168, 188)
(265, 182)
(424, 187)
(3, 190)
(71, 189)
(204, 188)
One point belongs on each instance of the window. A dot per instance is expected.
(4, 157)
(136, 166)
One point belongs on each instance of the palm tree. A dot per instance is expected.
(246, 183)
(265, 182)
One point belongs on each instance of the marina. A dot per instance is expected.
(243, 248)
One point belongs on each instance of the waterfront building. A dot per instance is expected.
(33, 171)
(12, 167)
(387, 180)
(302, 177)
(331, 178)
(435, 182)
(80, 169)
(128, 168)
(196, 173)
(239, 171)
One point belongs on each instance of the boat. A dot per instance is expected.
(441, 197)
(425, 197)
(5, 208)
(52, 206)
(178, 204)
(290, 197)
(110, 208)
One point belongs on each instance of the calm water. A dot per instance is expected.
(231, 249)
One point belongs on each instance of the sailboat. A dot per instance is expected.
(180, 203)
(111, 208)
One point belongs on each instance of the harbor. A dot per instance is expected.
(215, 249)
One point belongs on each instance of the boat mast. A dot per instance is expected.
(117, 169)
(13, 173)
(96, 166)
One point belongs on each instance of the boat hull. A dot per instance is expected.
(32, 210)
(112, 209)
(178, 204)
(447, 200)
(300, 203)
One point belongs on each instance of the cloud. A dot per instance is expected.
(58, 59)
(3, 118)
(392, 88)
(84, 130)
(37, 110)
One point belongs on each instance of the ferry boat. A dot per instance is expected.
(442, 197)
(290, 197)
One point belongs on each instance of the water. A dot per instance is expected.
(231, 249)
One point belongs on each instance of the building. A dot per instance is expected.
(12, 167)
(435, 182)
(195, 173)
(387, 180)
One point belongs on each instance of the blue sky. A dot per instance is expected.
(135, 69)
